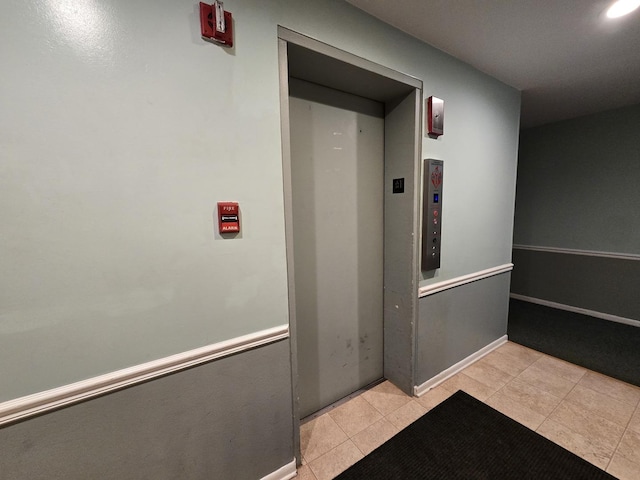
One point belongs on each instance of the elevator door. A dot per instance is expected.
(337, 167)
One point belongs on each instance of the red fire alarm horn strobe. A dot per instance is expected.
(216, 24)
(435, 116)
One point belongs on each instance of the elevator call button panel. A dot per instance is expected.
(432, 213)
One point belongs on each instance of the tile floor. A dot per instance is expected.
(594, 416)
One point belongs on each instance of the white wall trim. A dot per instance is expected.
(41, 402)
(283, 473)
(583, 311)
(458, 281)
(420, 390)
(571, 251)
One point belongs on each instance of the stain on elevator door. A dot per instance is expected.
(337, 168)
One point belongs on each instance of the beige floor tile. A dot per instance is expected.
(546, 381)
(563, 369)
(587, 417)
(518, 351)
(515, 410)
(623, 468)
(434, 397)
(507, 363)
(320, 435)
(576, 443)
(335, 461)
(634, 424)
(406, 414)
(601, 404)
(531, 397)
(597, 430)
(386, 397)
(374, 436)
(630, 446)
(483, 372)
(305, 473)
(355, 415)
(468, 385)
(610, 386)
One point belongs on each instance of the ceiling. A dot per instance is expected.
(565, 56)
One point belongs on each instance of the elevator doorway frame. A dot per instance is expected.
(302, 57)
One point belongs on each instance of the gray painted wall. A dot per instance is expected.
(458, 322)
(578, 184)
(229, 419)
(113, 155)
(601, 284)
(578, 189)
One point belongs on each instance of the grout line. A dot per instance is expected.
(610, 398)
(576, 433)
(615, 450)
(615, 380)
(372, 406)
(327, 453)
(500, 389)
(339, 426)
(626, 429)
(562, 399)
(515, 357)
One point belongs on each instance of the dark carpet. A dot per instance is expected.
(600, 345)
(462, 438)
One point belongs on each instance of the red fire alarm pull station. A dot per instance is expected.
(228, 217)
(435, 116)
(216, 24)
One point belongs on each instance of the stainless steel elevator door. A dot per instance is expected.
(337, 167)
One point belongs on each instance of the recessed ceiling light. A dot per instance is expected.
(622, 7)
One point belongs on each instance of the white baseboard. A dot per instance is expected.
(420, 390)
(283, 473)
(583, 311)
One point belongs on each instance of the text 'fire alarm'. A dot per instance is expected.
(228, 217)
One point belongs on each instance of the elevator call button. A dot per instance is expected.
(432, 210)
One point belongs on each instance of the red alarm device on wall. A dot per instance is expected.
(216, 24)
(228, 217)
(435, 116)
